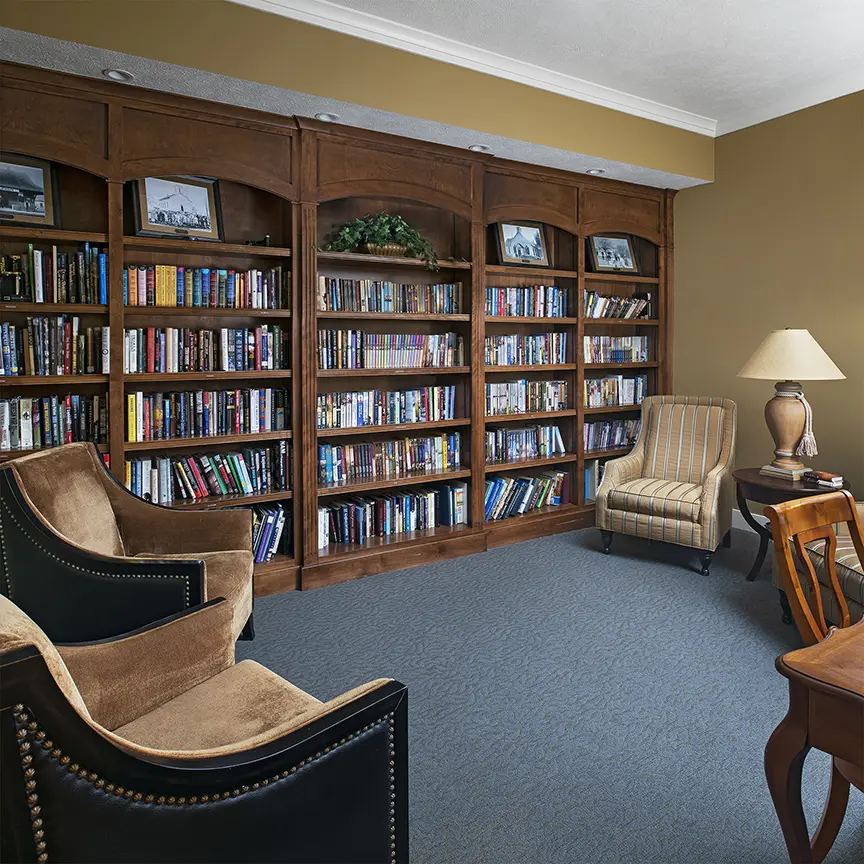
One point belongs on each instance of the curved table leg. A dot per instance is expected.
(763, 532)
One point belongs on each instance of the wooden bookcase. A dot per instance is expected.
(299, 180)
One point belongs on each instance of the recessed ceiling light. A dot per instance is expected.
(596, 171)
(326, 117)
(118, 75)
(478, 148)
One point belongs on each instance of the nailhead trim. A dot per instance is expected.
(65, 563)
(27, 728)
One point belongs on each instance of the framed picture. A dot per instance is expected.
(612, 253)
(183, 207)
(28, 191)
(522, 243)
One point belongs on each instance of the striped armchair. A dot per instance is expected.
(676, 484)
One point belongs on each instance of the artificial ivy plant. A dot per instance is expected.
(379, 229)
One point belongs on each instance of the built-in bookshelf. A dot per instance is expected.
(366, 355)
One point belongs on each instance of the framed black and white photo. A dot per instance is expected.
(522, 243)
(183, 207)
(612, 253)
(28, 191)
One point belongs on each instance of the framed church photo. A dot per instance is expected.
(522, 243)
(28, 191)
(612, 253)
(183, 207)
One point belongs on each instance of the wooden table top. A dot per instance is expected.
(752, 479)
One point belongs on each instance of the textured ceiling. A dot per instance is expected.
(48, 53)
(736, 61)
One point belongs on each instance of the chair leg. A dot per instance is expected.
(607, 540)
(784, 760)
(832, 816)
(247, 634)
(705, 558)
(727, 540)
(786, 609)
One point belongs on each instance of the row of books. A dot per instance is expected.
(50, 421)
(357, 349)
(254, 470)
(505, 445)
(525, 397)
(534, 301)
(174, 349)
(370, 295)
(593, 478)
(59, 277)
(205, 413)
(385, 460)
(511, 496)
(271, 531)
(357, 408)
(616, 349)
(611, 434)
(518, 349)
(614, 390)
(55, 345)
(600, 306)
(358, 518)
(204, 287)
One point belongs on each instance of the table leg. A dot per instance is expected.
(763, 532)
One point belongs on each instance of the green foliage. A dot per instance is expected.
(379, 229)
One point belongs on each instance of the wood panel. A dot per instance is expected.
(517, 197)
(631, 214)
(157, 143)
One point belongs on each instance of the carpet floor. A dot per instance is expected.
(567, 706)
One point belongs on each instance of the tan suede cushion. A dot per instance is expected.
(239, 703)
(64, 485)
(226, 574)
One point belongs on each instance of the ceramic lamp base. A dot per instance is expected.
(785, 417)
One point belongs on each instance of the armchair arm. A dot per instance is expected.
(127, 676)
(715, 516)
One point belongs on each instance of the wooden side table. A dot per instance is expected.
(750, 485)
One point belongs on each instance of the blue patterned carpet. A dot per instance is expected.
(567, 706)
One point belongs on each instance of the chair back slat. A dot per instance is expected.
(798, 526)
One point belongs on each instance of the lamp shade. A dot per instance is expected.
(790, 355)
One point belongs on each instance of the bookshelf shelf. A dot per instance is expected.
(215, 502)
(515, 270)
(201, 311)
(534, 367)
(204, 247)
(527, 319)
(621, 277)
(208, 441)
(532, 463)
(605, 454)
(611, 409)
(533, 415)
(624, 322)
(341, 551)
(64, 381)
(425, 370)
(383, 261)
(540, 513)
(589, 366)
(393, 316)
(35, 235)
(55, 308)
(407, 480)
(131, 378)
(400, 427)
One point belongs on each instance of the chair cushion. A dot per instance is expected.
(653, 497)
(243, 701)
(64, 485)
(850, 573)
(684, 441)
(226, 574)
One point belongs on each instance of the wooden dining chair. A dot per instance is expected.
(826, 679)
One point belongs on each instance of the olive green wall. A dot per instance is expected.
(246, 43)
(778, 241)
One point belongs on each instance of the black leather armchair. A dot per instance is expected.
(155, 747)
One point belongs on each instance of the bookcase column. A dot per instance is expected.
(478, 375)
(116, 396)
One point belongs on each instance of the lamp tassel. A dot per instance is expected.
(807, 444)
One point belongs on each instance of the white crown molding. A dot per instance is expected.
(331, 16)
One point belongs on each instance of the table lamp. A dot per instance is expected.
(787, 357)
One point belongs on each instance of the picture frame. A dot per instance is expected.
(613, 253)
(180, 206)
(29, 191)
(522, 244)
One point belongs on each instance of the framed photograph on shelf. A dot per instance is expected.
(612, 253)
(28, 191)
(522, 243)
(183, 207)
